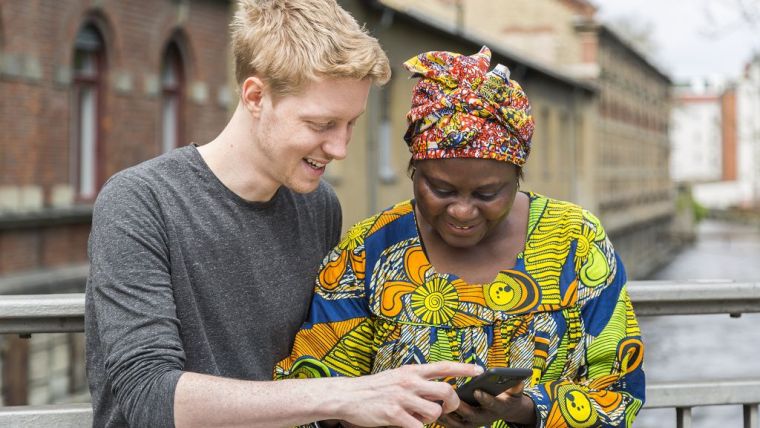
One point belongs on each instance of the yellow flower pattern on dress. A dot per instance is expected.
(435, 301)
(562, 310)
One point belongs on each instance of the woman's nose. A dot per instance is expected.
(462, 210)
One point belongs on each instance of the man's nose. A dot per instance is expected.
(337, 144)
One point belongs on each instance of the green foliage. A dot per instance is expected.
(700, 212)
(685, 202)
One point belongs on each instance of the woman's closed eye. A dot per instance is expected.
(485, 196)
(444, 193)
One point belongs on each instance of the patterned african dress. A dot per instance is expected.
(562, 310)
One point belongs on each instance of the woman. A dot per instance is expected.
(474, 270)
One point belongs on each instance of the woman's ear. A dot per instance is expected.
(411, 169)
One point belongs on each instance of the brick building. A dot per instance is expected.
(87, 88)
(102, 85)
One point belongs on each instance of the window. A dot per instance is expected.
(89, 65)
(172, 83)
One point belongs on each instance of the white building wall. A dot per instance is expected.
(696, 140)
(745, 191)
(721, 194)
(748, 130)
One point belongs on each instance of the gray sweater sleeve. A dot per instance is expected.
(336, 222)
(130, 285)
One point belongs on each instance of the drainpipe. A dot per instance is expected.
(573, 118)
(460, 16)
(376, 128)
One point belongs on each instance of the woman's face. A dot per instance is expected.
(464, 201)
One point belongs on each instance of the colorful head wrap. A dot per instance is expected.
(461, 110)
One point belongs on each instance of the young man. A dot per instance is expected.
(203, 260)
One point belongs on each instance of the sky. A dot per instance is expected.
(692, 38)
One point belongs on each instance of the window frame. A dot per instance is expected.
(172, 56)
(83, 82)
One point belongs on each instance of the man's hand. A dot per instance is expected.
(511, 406)
(406, 397)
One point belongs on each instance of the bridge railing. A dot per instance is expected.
(49, 313)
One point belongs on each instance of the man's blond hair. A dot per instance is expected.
(290, 42)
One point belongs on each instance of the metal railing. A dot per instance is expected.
(42, 313)
(695, 297)
(55, 415)
(27, 314)
(684, 396)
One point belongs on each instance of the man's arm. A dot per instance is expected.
(131, 311)
(404, 397)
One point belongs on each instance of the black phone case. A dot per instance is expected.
(493, 381)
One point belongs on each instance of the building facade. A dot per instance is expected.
(374, 175)
(636, 194)
(738, 186)
(87, 88)
(129, 80)
(697, 121)
(626, 156)
(748, 124)
(699, 159)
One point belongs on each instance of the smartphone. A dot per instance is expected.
(493, 381)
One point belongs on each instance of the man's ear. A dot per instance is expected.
(252, 94)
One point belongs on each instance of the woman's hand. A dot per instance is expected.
(511, 406)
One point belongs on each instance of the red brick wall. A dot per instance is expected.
(19, 251)
(36, 99)
(56, 244)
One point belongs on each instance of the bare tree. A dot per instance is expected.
(636, 31)
(725, 16)
(750, 12)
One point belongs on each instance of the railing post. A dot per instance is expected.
(751, 416)
(683, 417)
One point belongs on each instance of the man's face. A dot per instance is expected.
(299, 134)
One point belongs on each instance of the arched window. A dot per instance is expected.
(172, 84)
(88, 73)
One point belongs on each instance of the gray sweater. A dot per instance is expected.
(187, 276)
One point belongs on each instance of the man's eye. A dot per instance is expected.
(320, 126)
